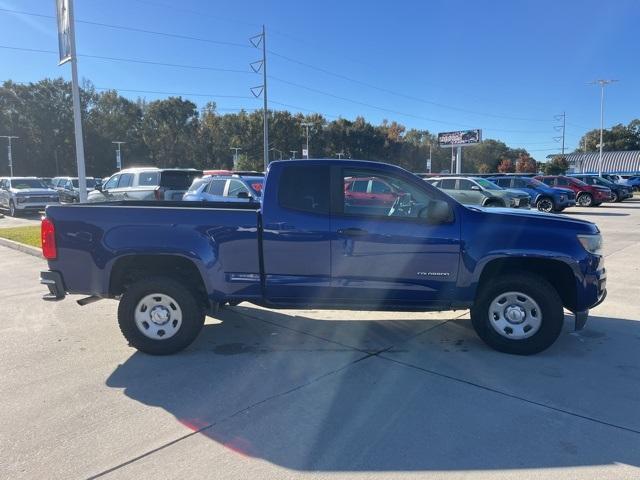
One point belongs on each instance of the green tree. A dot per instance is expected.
(556, 166)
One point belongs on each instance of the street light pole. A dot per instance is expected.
(235, 156)
(118, 155)
(9, 155)
(603, 83)
(307, 125)
(340, 154)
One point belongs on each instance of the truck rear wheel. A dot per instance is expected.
(159, 316)
(519, 314)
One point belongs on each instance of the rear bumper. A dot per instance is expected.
(54, 282)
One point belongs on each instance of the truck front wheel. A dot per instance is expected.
(519, 314)
(159, 316)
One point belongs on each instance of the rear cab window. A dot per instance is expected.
(148, 179)
(305, 189)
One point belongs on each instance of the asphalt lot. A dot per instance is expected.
(322, 394)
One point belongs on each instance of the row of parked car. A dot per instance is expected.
(546, 193)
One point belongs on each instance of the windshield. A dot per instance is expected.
(25, 183)
(487, 184)
(535, 183)
(195, 186)
(603, 181)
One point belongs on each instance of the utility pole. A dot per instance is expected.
(429, 162)
(235, 156)
(118, 154)
(557, 128)
(293, 154)
(9, 156)
(256, 66)
(603, 83)
(307, 125)
(67, 44)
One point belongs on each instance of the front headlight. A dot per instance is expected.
(21, 199)
(562, 198)
(591, 243)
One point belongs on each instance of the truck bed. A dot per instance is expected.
(221, 238)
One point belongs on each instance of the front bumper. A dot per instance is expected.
(54, 282)
(33, 206)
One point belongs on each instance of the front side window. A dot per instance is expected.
(126, 180)
(305, 188)
(464, 184)
(112, 182)
(379, 187)
(562, 181)
(400, 198)
(235, 187)
(487, 184)
(359, 185)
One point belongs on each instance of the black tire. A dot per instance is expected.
(13, 212)
(537, 288)
(193, 316)
(615, 198)
(585, 200)
(545, 204)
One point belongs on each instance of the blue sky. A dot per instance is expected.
(504, 66)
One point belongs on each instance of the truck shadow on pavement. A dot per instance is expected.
(396, 395)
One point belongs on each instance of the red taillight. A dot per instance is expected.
(48, 237)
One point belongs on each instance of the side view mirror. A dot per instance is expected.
(98, 187)
(244, 195)
(439, 211)
(476, 188)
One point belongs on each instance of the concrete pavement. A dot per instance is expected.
(322, 394)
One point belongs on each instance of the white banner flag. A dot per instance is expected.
(64, 30)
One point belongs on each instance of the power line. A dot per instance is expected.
(389, 110)
(132, 60)
(284, 57)
(402, 95)
(132, 29)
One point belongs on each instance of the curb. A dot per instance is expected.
(21, 247)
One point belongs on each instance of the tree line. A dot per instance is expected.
(174, 132)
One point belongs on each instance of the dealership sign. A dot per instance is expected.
(460, 138)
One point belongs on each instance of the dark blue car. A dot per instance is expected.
(543, 197)
(307, 245)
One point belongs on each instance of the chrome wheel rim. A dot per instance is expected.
(584, 200)
(515, 315)
(545, 205)
(158, 316)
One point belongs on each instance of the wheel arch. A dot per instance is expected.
(127, 269)
(559, 273)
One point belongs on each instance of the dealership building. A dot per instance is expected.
(624, 162)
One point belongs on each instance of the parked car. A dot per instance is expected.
(47, 181)
(305, 246)
(68, 188)
(618, 192)
(22, 194)
(372, 193)
(480, 191)
(634, 182)
(145, 184)
(615, 178)
(586, 195)
(543, 197)
(225, 188)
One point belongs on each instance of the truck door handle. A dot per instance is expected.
(353, 232)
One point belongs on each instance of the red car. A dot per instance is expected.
(586, 195)
(370, 191)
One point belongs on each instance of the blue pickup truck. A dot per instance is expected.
(308, 245)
